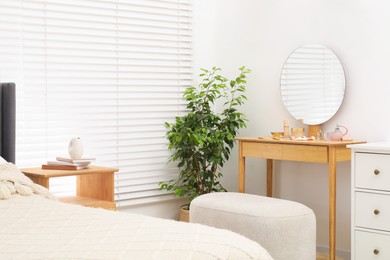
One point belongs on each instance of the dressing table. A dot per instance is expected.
(329, 152)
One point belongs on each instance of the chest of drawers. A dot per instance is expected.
(370, 201)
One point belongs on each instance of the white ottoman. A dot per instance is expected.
(286, 229)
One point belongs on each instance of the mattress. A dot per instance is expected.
(34, 227)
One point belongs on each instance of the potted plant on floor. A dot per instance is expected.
(202, 139)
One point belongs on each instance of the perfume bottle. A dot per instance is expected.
(320, 135)
(286, 129)
(337, 134)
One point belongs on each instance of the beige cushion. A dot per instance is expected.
(286, 229)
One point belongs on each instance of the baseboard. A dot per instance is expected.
(346, 255)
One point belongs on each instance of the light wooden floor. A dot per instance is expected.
(325, 256)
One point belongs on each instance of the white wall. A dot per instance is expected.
(261, 34)
(204, 40)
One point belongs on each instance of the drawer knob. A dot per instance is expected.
(376, 212)
(376, 171)
(376, 251)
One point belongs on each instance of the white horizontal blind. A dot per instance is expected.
(109, 71)
(312, 83)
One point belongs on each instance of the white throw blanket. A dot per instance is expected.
(13, 181)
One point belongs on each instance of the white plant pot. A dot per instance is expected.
(76, 148)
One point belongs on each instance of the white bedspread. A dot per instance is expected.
(33, 227)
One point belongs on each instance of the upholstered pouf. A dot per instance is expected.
(286, 229)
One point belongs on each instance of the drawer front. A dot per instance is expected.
(371, 246)
(305, 153)
(372, 171)
(372, 211)
(262, 150)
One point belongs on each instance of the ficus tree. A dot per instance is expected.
(202, 139)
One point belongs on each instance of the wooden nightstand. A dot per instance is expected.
(95, 185)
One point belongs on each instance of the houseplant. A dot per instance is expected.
(201, 140)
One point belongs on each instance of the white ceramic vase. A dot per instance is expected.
(76, 148)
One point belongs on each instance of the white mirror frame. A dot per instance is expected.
(312, 84)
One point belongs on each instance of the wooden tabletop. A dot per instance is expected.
(287, 141)
(39, 172)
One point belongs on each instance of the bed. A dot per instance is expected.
(36, 227)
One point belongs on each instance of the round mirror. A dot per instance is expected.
(312, 84)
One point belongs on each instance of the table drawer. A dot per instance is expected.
(372, 211)
(371, 246)
(305, 153)
(262, 150)
(372, 171)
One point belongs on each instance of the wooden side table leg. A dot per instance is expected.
(241, 169)
(97, 186)
(269, 177)
(332, 202)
